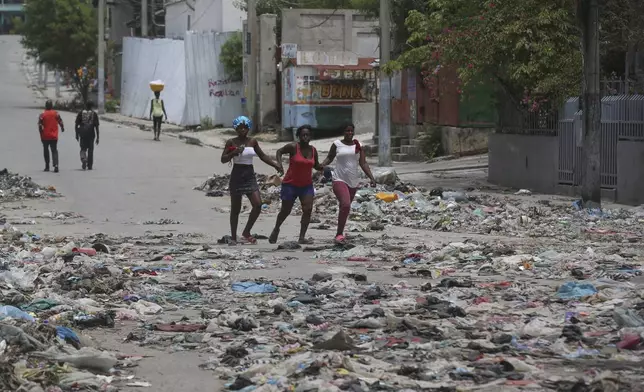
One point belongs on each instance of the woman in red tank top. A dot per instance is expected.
(298, 181)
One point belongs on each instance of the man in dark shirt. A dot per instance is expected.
(86, 133)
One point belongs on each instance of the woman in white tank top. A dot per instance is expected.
(346, 175)
(240, 151)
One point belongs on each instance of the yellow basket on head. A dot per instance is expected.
(157, 87)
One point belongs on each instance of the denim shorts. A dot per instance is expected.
(291, 193)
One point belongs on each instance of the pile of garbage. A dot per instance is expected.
(448, 316)
(15, 187)
(218, 185)
(455, 211)
(395, 203)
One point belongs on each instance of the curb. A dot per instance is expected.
(30, 81)
(188, 139)
(450, 169)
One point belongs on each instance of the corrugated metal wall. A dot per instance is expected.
(145, 60)
(196, 85)
(209, 92)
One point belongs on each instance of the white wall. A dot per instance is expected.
(232, 17)
(209, 92)
(217, 15)
(145, 60)
(177, 16)
(196, 84)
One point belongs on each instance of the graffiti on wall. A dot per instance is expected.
(222, 88)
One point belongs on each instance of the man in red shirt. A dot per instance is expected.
(48, 123)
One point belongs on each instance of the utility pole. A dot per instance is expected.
(101, 56)
(384, 101)
(57, 80)
(144, 18)
(251, 99)
(588, 15)
(153, 10)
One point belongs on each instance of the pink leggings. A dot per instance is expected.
(345, 196)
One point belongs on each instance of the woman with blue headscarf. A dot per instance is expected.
(241, 150)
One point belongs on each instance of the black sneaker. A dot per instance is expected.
(46, 168)
(55, 169)
(84, 165)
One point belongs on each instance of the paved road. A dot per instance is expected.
(135, 179)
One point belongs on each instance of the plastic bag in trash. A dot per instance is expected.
(627, 318)
(14, 313)
(68, 335)
(85, 358)
(252, 287)
(385, 176)
(575, 290)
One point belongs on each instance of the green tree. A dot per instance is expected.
(62, 34)
(622, 31)
(232, 57)
(400, 9)
(530, 48)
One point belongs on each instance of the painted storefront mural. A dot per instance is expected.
(323, 98)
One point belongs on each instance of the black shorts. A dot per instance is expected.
(157, 120)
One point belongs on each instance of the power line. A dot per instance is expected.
(321, 23)
(203, 13)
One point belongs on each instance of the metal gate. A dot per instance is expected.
(622, 119)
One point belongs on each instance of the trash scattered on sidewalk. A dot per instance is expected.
(16, 187)
(380, 312)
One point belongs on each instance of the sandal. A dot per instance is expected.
(273, 238)
(305, 241)
(339, 239)
(249, 240)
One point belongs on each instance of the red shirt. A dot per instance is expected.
(49, 121)
(299, 168)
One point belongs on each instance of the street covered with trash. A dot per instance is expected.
(539, 295)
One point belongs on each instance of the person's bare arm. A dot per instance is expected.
(40, 124)
(60, 122)
(265, 158)
(317, 165)
(331, 156)
(286, 149)
(228, 153)
(365, 167)
(151, 106)
(96, 126)
(164, 113)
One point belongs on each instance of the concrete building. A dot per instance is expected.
(179, 15)
(10, 9)
(327, 75)
(314, 30)
(202, 15)
(120, 17)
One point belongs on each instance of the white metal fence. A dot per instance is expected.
(146, 60)
(196, 84)
(622, 119)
